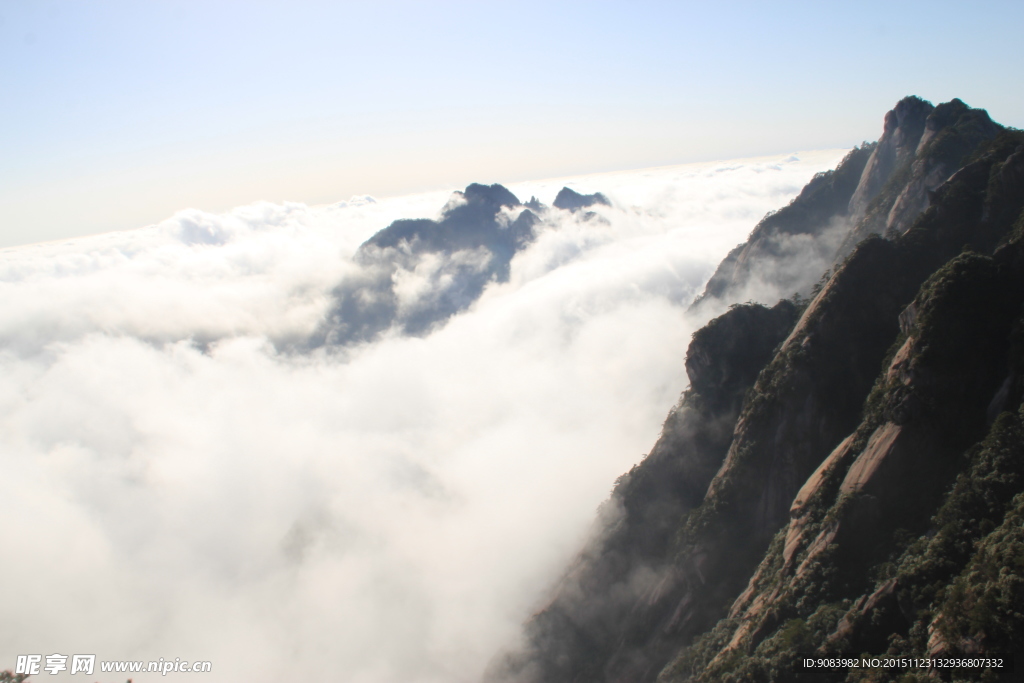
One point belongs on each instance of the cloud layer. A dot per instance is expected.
(181, 481)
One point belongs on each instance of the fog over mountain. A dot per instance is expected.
(305, 445)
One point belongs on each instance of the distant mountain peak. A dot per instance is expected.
(494, 195)
(570, 200)
(471, 244)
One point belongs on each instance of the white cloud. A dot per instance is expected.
(179, 484)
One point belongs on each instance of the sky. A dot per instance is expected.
(181, 480)
(116, 114)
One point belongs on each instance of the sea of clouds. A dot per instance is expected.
(181, 479)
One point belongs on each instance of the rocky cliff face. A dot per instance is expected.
(901, 134)
(878, 188)
(853, 489)
(924, 148)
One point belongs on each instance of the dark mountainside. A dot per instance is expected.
(470, 245)
(845, 474)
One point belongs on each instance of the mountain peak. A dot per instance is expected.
(910, 112)
(470, 245)
(495, 195)
(571, 200)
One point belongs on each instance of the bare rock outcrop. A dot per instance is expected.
(923, 148)
(902, 132)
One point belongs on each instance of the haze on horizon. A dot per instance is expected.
(117, 114)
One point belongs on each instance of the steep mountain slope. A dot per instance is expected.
(858, 495)
(879, 188)
(631, 566)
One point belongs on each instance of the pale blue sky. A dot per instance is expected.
(116, 114)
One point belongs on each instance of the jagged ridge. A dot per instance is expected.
(470, 245)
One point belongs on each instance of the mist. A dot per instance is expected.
(184, 477)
